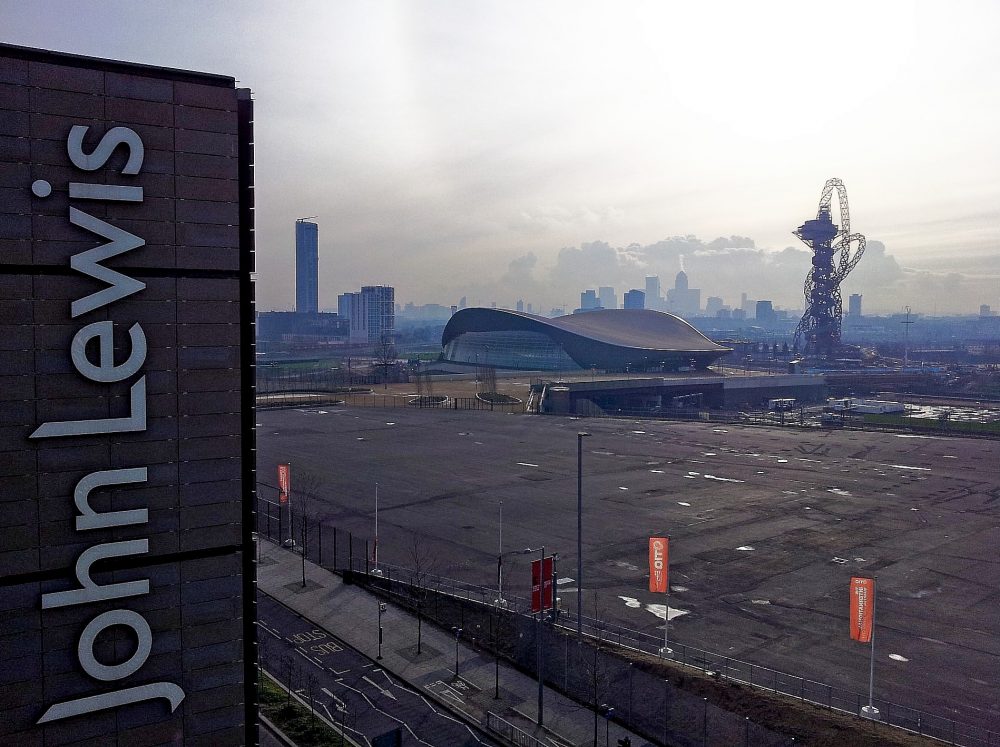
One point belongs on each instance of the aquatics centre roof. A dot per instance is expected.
(605, 338)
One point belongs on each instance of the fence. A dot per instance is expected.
(798, 418)
(665, 710)
(276, 379)
(509, 732)
(288, 398)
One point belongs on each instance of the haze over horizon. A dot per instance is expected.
(517, 150)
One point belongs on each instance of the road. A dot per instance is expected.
(350, 689)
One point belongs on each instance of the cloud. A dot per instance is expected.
(730, 266)
(558, 218)
(594, 263)
(519, 271)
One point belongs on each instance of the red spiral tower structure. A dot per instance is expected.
(832, 260)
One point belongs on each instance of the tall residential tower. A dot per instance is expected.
(306, 266)
(372, 313)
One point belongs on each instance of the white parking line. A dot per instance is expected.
(320, 666)
(380, 689)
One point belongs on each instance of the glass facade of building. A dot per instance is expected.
(510, 349)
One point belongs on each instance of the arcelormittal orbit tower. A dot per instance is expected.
(832, 260)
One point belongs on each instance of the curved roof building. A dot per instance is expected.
(609, 339)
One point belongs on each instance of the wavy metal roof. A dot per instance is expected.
(633, 328)
(606, 338)
(637, 328)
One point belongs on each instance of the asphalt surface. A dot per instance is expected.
(766, 527)
(483, 686)
(350, 689)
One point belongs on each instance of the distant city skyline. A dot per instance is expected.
(481, 149)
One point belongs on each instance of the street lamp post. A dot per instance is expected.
(579, 533)
(500, 602)
(381, 609)
(495, 630)
(458, 633)
(500, 599)
(375, 549)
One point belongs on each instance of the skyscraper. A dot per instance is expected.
(306, 266)
(588, 300)
(764, 312)
(713, 305)
(635, 299)
(682, 299)
(652, 291)
(607, 298)
(854, 305)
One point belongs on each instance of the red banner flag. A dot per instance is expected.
(862, 603)
(658, 564)
(284, 482)
(541, 584)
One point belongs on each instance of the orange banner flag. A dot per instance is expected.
(862, 604)
(284, 482)
(658, 564)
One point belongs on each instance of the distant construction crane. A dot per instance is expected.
(832, 261)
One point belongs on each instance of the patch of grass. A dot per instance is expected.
(940, 426)
(294, 719)
(497, 398)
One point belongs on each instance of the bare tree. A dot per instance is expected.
(384, 355)
(595, 666)
(288, 670)
(423, 562)
(425, 384)
(311, 683)
(307, 488)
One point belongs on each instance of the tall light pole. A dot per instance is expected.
(579, 533)
(906, 340)
(501, 602)
(500, 558)
(381, 609)
(377, 572)
(458, 633)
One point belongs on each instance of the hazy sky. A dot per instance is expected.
(505, 150)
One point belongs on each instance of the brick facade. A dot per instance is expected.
(194, 311)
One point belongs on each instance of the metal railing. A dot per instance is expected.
(795, 419)
(510, 733)
(306, 398)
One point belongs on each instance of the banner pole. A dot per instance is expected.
(666, 622)
(666, 612)
(291, 533)
(871, 669)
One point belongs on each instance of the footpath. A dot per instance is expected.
(351, 614)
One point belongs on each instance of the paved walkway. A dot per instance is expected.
(351, 614)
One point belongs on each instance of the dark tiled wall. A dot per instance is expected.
(190, 312)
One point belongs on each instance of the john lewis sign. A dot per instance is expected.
(93, 355)
(126, 416)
